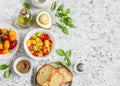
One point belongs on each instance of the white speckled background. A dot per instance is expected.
(95, 42)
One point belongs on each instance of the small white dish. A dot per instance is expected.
(78, 69)
(13, 51)
(15, 66)
(29, 36)
(40, 3)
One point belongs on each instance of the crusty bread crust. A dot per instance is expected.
(38, 74)
(58, 78)
(51, 75)
(68, 76)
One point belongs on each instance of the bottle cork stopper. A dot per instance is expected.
(23, 11)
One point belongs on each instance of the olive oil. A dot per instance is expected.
(24, 19)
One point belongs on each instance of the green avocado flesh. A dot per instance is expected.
(44, 20)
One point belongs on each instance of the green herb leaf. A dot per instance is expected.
(26, 5)
(59, 63)
(60, 8)
(68, 62)
(68, 53)
(53, 6)
(4, 66)
(8, 73)
(61, 52)
(68, 11)
(72, 25)
(59, 25)
(65, 30)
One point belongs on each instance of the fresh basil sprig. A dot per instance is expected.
(53, 6)
(63, 27)
(4, 66)
(59, 63)
(63, 15)
(66, 55)
(8, 73)
(26, 5)
(61, 52)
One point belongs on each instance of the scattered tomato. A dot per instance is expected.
(44, 37)
(1, 45)
(31, 47)
(0, 31)
(1, 51)
(35, 53)
(12, 44)
(4, 36)
(4, 30)
(12, 38)
(12, 33)
(5, 51)
(44, 50)
(6, 44)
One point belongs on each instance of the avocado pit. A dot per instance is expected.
(44, 19)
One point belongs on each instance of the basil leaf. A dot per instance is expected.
(60, 8)
(53, 6)
(68, 62)
(68, 11)
(59, 63)
(68, 53)
(8, 73)
(65, 30)
(61, 52)
(4, 66)
(72, 25)
(59, 25)
(26, 5)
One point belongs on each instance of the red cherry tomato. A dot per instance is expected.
(31, 47)
(12, 44)
(50, 41)
(44, 37)
(35, 53)
(0, 31)
(1, 51)
(5, 37)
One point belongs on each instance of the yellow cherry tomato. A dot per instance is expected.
(31, 51)
(6, 45)
(1, 46)
(46, 43)
(33, 41)
(28, 43)
(4, 30)
(12, 38)
(12, 33)
(5, 51)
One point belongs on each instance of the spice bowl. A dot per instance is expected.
(79, 67)
(22, 66)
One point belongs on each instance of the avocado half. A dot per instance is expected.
(44, 20)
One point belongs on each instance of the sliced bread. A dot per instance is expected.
(44, 73)
(68, 76)
(56, 79)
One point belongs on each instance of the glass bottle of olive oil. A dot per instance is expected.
(24, 19)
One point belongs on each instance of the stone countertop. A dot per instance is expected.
(95, 42)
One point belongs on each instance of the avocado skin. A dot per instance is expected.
(49, 25)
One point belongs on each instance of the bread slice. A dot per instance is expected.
(44, 73)
(56, 79)
(68, 76)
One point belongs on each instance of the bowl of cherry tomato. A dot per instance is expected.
(9, 41)
(39, 44)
